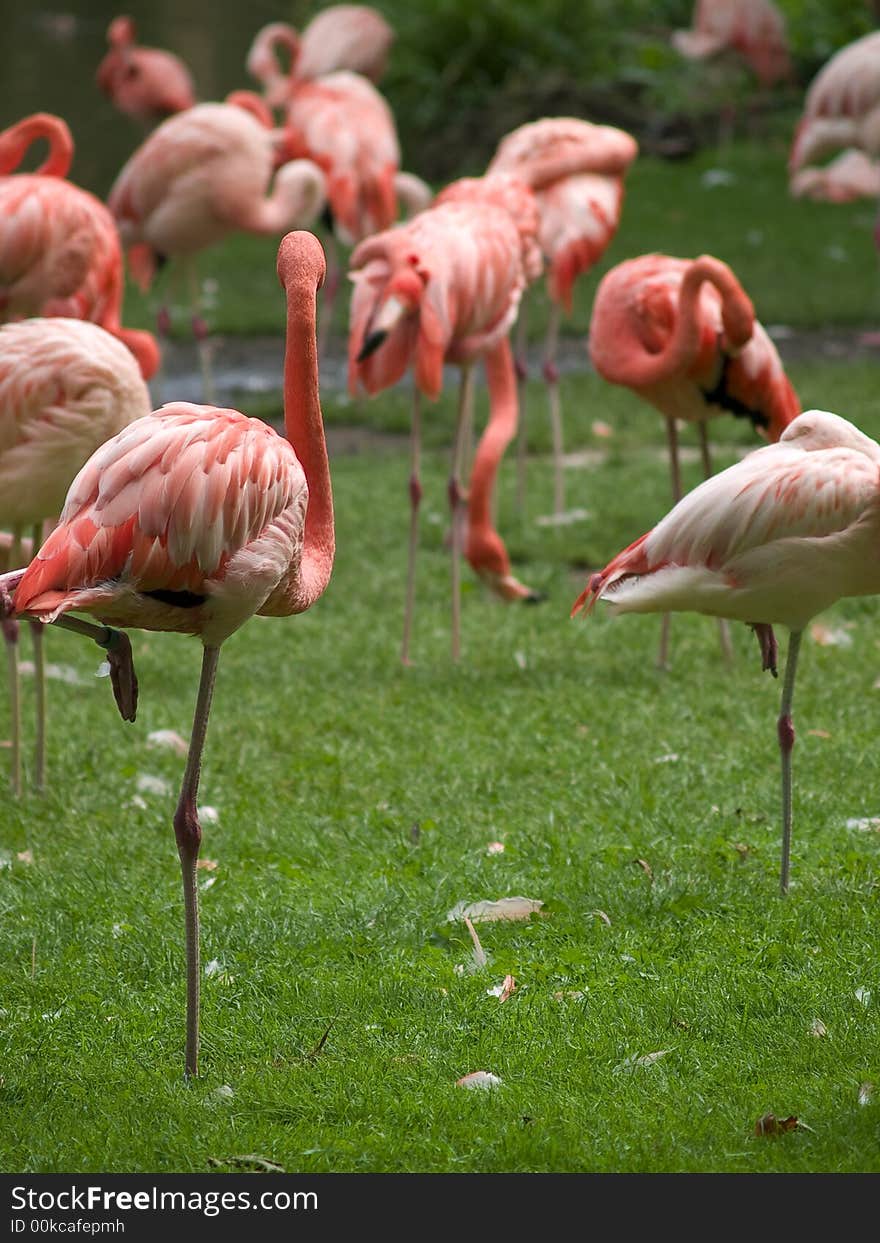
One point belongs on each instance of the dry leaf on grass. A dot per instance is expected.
(769, 1124)
(565, 519)
(479, 952)
(148, 784)
(818, 733)
(867, 824)
(818, 1028)
(646, 868)
(169, 739)
(826, 636)
(25, 856)
(478, 1079)
(866, 1091)
(207, 865)
(495, 848)
(602, 430)
(503, 990)
(249, 1161)
(863, 995)
(644, 1059)
(501, 908)
(601, 915)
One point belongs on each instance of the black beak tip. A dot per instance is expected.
(372, 341)
(534, 597)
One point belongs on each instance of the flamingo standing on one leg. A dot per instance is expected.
(445, 286)
(194, 519)
(143, 82)
(200, 176)
(579, 213)
(776, 538)
(59, 248)
(342, 36)
(682, 334)
(66, 386)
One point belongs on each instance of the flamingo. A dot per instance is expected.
(66, 386)
(579, 213)
(682, 334)
(774, 539)
(341, 122)
(200, 176)
(342, 36)
(753, 28)
(444, 286)
(193, 519)
(143, 82)
(59, 247)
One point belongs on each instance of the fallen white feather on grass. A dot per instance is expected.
(168, 738)
(502, 908)
(478, 1079)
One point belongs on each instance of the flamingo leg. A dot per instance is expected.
(188, 833)
(723, 628)
(785, 732)
(118, 648)
(39, 688)
(675, 476)
(163, 334)
(200, 332)
(457, 503)
(415, 496)
(522, 371)
(332, 281)
(551, 378)
(11, 634)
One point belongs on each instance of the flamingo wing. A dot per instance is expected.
(167, 505)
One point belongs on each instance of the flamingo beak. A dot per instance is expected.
(372, 341)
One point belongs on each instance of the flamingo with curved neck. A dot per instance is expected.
(59, 248)
(682, 334)
(192, 520)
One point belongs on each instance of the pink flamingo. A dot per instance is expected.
(59, 248)
(444, 287)
(342, 36)
(192, 520)
(753, 28)
(579, 213)
(200, 176)
(682, 334)
(776, 538)
(342, 123)
(66, 386)
(143, 82)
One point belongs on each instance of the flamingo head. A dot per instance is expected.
(121, 33)
(400, 299)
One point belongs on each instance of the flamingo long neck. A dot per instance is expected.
(297, 197)
(304, 428)
(15, 141)
(737, 316)
(500, 430)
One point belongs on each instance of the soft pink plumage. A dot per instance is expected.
(776, 538)
(59, 247)
(851, 175)
(193, 519)
(203, 174)
(682, 334)
(753, 28)
(342, 36)
(143, 82)
(842, 107)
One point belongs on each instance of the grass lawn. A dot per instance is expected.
(667, 997)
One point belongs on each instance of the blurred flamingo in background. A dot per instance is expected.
(192, 520)
(753, 28)
(579, 212)
(143, 82)
(445, 287)
(842, 105)
(342, 123)
(342, 36)
(200, 176)
(66, 386)
(59, 247)
(682, 334)
(776, 538)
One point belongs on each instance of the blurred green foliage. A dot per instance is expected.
(461, 75)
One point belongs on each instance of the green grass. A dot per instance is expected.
(356, 799)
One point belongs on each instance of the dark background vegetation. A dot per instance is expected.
(461, 74)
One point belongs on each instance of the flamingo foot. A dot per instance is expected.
(768, 645)
(122, 675)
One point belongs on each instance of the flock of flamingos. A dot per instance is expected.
(192, 518)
